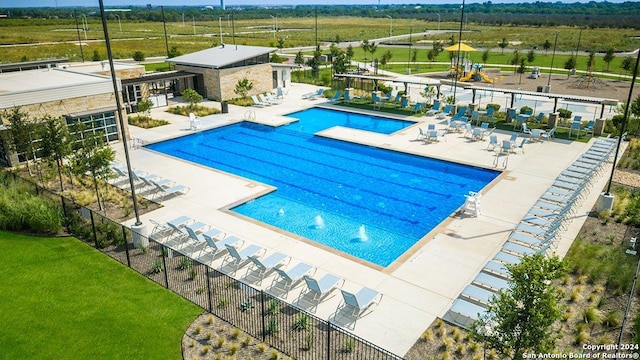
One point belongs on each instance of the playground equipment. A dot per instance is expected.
(476, 74)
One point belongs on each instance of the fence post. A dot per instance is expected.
(164, 264)
(328, 340)
(93, 227)
(264, 326)
(209, 290)
(126, 244)
(64, 213)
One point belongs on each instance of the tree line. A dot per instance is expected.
(592, 14)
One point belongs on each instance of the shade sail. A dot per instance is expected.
(463, 47)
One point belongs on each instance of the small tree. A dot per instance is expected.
(281, 43)
(591, 61)
(522, 69)
(503, 44)
(243, 87)
(314, 62)
(21, 130)
(277, 59)
(299, 60)
(414, 58)
(431, 55)
(174, 52)
(546, 46)
(138, 56)
(570, 63)
(145, 106)
(340, 63)
(92, 155)
(96, 56)
(520, 318)
(531, 56)
(349, 53)
(485, 55)
(55, 144)
(515, 60)
(192, 97)
(386, 57)
(608, 57)
(627, 64)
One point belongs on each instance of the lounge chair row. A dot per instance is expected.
(197, 239)
(158, 187)
(536, 233)
(264, 100)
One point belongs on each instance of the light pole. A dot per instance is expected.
(138, 223)
(275, 25)
(78, 32)
(578, 47)
(119, 24)
(553, 55)
(390, 25)
(438, 22)
(220, 23)
(455, 82)
(193, 21)
(164, 25)
(85, 26)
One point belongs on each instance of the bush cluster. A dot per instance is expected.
(22, 210)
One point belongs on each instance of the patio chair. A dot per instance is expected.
(539, 118)
(360, 301)
(219, 246)
(266, 101)
(269, 97)
(511, 114)
(260, 267)
(460, 113)
(163, 191)
(521, 146)
(589, 127)
(446, 112)
(236, 258)
(417, 108)
(468, 130)
(476, 295)
(435, 109)
(493, 141)
(490, 112)
(421, 135)
(320, 288)
(464, 313)
(336, 96)
(318, 94)
(290, 277)
(475, 117)
(194, 122)
(257, 102)
(432, 136)
(507, 146)
(478, 134)
(575, 125)
(280, 93)
(311, 94)
(549, 134)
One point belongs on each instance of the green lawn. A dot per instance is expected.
(62, 299)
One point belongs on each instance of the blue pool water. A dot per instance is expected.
(367, 202)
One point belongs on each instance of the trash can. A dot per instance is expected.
(539, 89)
(225, 107)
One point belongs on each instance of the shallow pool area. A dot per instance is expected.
(367, 202)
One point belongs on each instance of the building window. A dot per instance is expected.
(102, 122)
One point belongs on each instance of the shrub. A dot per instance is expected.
(525, 109)
(564, 113)
(185, 263)
(302, 322)
(272, 326)
(21, 210)
(145, 122)
(495, 107)
(156, 267)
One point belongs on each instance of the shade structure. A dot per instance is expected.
(460, 46)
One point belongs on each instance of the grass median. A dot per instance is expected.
(62, 299)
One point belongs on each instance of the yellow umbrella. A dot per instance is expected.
(462, 47)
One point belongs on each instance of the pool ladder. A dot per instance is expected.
(250, 115)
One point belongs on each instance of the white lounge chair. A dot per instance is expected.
(257, 102)
(360, 301)
(290, 277)
(163, 191)
(320, 288)
(261, 266)
(237, 258)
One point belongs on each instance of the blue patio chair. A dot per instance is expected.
(360, 301)
(575, 126)
(493, 141)
(446, 112)
(511, 114)
(548, 135)
(435, 109)
(260, 267)
(236, 258)
(336, 96)
(460, 113)
(589, 127)
(539, 118)
(417, 108)
(490, 112)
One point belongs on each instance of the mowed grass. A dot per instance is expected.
(62, 299)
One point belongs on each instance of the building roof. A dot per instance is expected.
(221, 56)
(28, 87)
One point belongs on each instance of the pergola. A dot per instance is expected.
(555, 97)
(402, 80)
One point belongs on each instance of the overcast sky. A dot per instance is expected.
(110, 3)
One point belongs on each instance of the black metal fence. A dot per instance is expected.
(283, 326)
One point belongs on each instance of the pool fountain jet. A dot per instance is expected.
(362, 234)
(319, 222)
(281, 212)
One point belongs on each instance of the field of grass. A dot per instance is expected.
(60, 38)
(62, 299)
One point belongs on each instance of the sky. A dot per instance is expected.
(230, 3)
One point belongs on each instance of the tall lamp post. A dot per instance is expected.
(119, 24)
(275, 25)
(138, 223)
(164, 25)
(220, 24)
(606, 199)
(78, 31)
(553, 55)
(578, 47)
(455, 82)
(390, 25)
(438, 22)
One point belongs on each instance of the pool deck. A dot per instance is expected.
(424, 282)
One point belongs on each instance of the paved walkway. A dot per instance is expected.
(423, 283)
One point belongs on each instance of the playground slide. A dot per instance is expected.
(468, 76)
(485, 77)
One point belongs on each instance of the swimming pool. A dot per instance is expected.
(367, 202)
